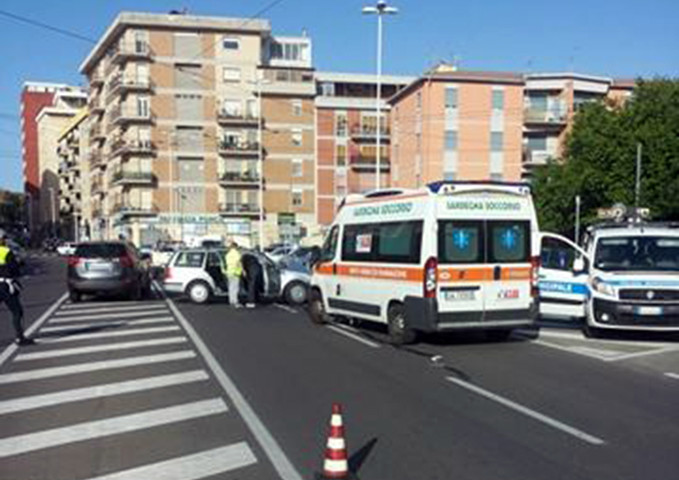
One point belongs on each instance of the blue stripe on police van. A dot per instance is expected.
(564, 287)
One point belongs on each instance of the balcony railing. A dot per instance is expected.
(364, 162)
(239, 148)
(97, 187)
(131, 50)
(96, 80)
(121, 84)
(121, 146)
(237, 209)
(126, 177)
(369, 132)
(534, 158)
(95, 158)
(96, 133)
(554, 116)
(248, 177)
(126, 209)
(237, 118)
(122, 115)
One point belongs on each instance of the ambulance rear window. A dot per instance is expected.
(508, 242)
(461, 241)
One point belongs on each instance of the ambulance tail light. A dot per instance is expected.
(430, 274)
(534, 275)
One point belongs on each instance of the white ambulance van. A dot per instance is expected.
(628, 280)
(451, 256)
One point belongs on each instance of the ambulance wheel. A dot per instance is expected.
(399, 334)
(316, 308)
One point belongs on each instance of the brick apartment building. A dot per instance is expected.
(175, 149)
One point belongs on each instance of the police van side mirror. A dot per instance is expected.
(579, 265)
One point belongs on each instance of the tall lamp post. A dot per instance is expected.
(260, 147)
(53, 209)
(380, 9)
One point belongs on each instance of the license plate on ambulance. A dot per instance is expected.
(459, 295)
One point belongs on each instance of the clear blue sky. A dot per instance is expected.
(621, 38)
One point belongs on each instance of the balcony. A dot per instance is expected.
(96, 133)
(130, 177)
(136, 50)
(123, 147)
(239, 149)
(120, 115)
(229, 209)
(367, 163)
(95, 105)
(367, 133)
(551, 117)
(536, 158)
(95, 159)
(248, 178)
(237, 118)
(96, 80)
(97, 187)
(120, 85)
(128, 210)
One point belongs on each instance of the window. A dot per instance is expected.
(537, 143)
(297, 167)
(330, 245)
(214, 259)
(341, 155)
(538, 101)
(231, 108)
(188, 76)
(451, 140)
(461, 242)
(496, 141)
(341, 124)
(230, 74)
(508, 242)
(296, 108)
(143, 106)
(297, 198)
(190, 259)
(395, 242)
(451, 97)
(498, 99)
(230, 43)
(328, 89)
(296, 137)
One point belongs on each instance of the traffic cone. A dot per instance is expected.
(335, 465)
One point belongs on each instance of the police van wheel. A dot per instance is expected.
(316, 308)
(399, 334)
(74, 296)
(590, 332)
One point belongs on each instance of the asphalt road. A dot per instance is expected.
(552, 406)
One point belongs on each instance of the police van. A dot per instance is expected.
(451, 256)
(626, 276)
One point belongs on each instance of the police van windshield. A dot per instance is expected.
(637, 253)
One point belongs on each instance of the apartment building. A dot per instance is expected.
(457, 125)
(346, 136)
(550, 103)
(51, 121)
(34, 97)
(176, 143)
(74, 188)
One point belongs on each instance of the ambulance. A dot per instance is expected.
(452, 256)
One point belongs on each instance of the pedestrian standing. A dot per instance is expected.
(234, 272)
(10, 289)
(253, 273)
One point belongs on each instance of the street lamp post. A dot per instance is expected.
(260, 147)
(380, 9)
(52, 205)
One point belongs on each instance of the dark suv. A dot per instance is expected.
(108, 268)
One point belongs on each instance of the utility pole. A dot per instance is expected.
(637, 182)
(577, 219)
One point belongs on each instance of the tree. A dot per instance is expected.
(599, 159)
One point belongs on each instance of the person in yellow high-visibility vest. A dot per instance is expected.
(234, 271)
(10, 288)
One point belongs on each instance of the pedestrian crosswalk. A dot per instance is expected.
(103, 374)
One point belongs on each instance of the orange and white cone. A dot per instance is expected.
(335, 464)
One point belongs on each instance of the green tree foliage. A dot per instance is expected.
(600, 159)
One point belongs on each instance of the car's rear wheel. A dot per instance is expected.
(399, 333)
(74, 296)
(316, 308)
(199, 292)
(296, 293)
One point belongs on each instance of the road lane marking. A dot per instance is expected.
(51, 372)
(30, 442)
(281, 463)
(62, 313)
(286, 308)
(528, 412)
(120, 303)
(656, 351)
(191, 467)
(67, 352)
(100, 391)
(577, 335)
(672, 375)
(110, 333)
(9, 351)
(112, 316)
(353, 336)
(108, 325)
(105, 323)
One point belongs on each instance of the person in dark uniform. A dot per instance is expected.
(253, 274)
(10, 289)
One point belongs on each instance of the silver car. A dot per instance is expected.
(198, 274)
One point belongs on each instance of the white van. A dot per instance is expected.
(629, 279)
(451, 256)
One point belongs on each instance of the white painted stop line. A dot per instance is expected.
(61, 313)
(109, 333)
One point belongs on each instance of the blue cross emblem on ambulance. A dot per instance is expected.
(508, 239)
(461, 239)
